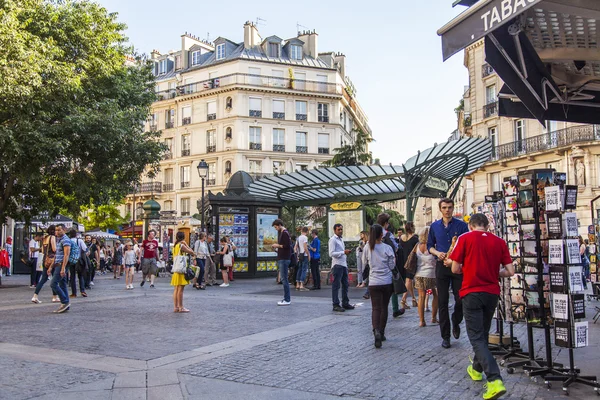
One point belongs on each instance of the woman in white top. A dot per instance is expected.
(364, 238)
(425, 277)
(129, 259)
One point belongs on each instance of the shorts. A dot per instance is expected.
(149, 266)
(424, 283)
(129, 266)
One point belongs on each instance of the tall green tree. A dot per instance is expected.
(73, 102)
(352, 154)
(104, 217)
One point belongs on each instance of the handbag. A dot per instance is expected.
(365, 273)
(179, 264)
(411, 262)
(398, 282)
(189, 274)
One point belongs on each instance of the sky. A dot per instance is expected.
(393, 54)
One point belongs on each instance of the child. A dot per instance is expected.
(129, 259)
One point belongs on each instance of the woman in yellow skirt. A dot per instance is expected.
(178, 280)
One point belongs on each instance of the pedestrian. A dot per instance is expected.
(34, 253)
(129, 260)
(48, 256)
(408, 241)
(60, 269)
(76, 271)
(439, 242)
(149, 258)
(226, 255)
(210, 273)
(284, 254)
(425, 278)
(303, 253)
(136, 248)
(339, 269)
(232, 248)
(178, 280)
(8, 246)
(117, 260)
(94, 255)
(383, 219)
(476, 256)
(202, 254)
(102, 251)
(359, 263)
(382, 260)
(585, 262)
(315, 258)
(293, 268)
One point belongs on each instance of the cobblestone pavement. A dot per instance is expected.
(236, 343)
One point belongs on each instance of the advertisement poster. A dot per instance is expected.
(560, 306)
(554, 224)
(562, 334)
(573, 256)
(570, 225)
(352, 222)
(555, 252)
(581, 334)
(266, 235)
(578, 301)
(575, 279)
(553, 200)
(557, 279)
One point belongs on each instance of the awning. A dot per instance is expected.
(103, 235)
(546, 51)
(139, 230)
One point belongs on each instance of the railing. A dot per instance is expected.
(211, 182)
(169, 124)
(300, 117)
(255, 113)
(166, 94)
(185, 185)
(261, 81)
(167, 156)
(547, 141)
(185, 213)
(301, 149)
(153, 128)
(279, 147)
(259, 175)
(185, 152)
(211, 117)
(489, 110)
(278, 115)
(323, 118)
(486, 70)
(255, 146)
(211, 149)
(186, 121)
(167, 187)
(148, 187)
(323, 150)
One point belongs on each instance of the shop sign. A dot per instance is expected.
(346, 206)
(229, 210)
(437, 184)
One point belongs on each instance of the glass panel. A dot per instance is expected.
(300, 138)
(255, 103)
(278, 106)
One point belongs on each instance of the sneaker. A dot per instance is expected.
(475, 375)
(31, 286)
(84, 294)
(446, 343)
(337, 308)
(224, 285)
(398, 313)
(36, 300)
(282, 302)
(348, 307)
(142, 283)
(91, 283)
(456, 331)
(152, 286)
(378, 340)
(63, 308)
(494, 389)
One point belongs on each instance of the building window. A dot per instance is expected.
(168, 205)
(221, 51)
(279, 109)
(301, 167)
(490, 94)
(255, 138)
(299, 80)
(323, 112)
(301, 107)
(255, 107)
(228, 104)
(228, 167)
(185, 176)
(228, 133)
(323, 143)
(169, 152)
(278, 139)
(139, 210)
(274, 50)
(212, 174)
(493, 136)
(520, 136)
(211, 110)
(196, 57)
(296, 52)
(168, 183)
(211, 141)
(128, 210)
(169, 118)
(255, 167)
(162, 67)
(301, 146)
(278, 80)
(186, 115)
(185, 206)
(278, 167)
(495, 182)
(322, 83)
(186, 145)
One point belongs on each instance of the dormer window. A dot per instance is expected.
(274, 50)
(196, 57)
(162, 67)
(221, 51)
(296, 52)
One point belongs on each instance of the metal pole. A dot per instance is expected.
(133, 215)
(202, 208)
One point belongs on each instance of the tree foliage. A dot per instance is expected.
(104, 217)
(352, 154)
(72, 106)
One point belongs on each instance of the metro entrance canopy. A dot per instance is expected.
(435, 172)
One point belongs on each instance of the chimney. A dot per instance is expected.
(310, 40)
(154, 54)
(339, 61)
(251, 36)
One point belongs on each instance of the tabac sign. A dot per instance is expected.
(345, 206)
(478, 21)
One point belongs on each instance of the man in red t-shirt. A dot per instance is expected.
(148, 258)
(482, 258)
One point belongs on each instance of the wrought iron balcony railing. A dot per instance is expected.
(169, 124)
(185, 152)
(323, 118)
(153, 128)
(278, 115)
(148, 187)
(186, 121)
(167, 187)
(323, 150)
(486, 70)
(255, 146)
(300, 117)
(211, 117)
(489, 110)
(167, 155)
(211, 149)
(547, 141)
(211, 182)
(301, 149)
(255, 113)
(185, 185)
(279, 147)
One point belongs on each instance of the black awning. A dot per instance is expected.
(555, 112)
(478, 21)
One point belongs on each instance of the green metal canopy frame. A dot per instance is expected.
(431, 173)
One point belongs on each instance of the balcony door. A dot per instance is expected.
(520, 145)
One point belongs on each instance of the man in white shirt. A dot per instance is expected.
(34, 252)
(339, 269)
(201, 250)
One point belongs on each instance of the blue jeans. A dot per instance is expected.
(43, 281)
(200, 264)
(302, 270)
(283, 266)
(340, 275)
(59, 283)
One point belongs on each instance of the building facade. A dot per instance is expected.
(521, 144)
(264, 106)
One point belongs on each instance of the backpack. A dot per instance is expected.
(75, 252)
(84, 261)
(387, 239)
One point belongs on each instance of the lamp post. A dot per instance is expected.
(202, 173)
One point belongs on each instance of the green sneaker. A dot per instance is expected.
(494, 389)
(475, 375)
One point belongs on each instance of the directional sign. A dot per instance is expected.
(168, 213)
(168, 221)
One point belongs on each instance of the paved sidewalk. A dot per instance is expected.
(235, 344)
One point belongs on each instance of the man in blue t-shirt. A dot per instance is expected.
(315, 258)
(441, 236)
(59, 270)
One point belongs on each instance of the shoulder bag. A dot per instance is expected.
(227, 258)
(49, 255)
(411, 261)
(179, 263)
(398, 282)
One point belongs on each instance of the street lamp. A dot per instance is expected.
(202, 173)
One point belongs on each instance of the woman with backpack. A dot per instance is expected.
(178, 279)
(226, 254)
(48, 255)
